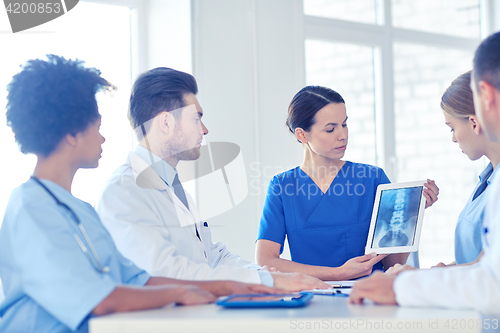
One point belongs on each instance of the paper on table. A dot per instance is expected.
(344, 284)
(343, 287)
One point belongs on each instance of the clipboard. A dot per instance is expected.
(291, 300)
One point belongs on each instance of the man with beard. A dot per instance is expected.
(152, 220)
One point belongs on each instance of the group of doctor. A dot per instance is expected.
(58, 264)
(61, 262)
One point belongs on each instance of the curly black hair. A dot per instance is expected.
(49, 99)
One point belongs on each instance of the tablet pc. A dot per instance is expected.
(397, 217)
(266, 300)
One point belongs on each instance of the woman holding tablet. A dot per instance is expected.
(324, 206)
(58, 264)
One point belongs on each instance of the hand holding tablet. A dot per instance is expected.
(397, 218)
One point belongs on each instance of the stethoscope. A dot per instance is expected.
(94, 258)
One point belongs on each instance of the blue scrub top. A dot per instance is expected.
(322, 229)
(468, 244)
(49, 283)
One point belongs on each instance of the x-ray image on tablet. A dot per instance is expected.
(396, 218)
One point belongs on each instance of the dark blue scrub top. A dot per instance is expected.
(322, 229)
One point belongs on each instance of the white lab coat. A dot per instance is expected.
(474, 287)
(152, 227)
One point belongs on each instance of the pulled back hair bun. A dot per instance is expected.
(457, 100)
(306, 103)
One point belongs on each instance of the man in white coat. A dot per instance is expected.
(467, 287)
(152, 220)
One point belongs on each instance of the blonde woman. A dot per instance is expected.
(458, 109)
(459, 115)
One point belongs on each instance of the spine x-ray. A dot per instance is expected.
(397, 217)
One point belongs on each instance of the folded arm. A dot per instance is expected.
(160, 291)
(145, 228)
(268, 254)
(129, 298)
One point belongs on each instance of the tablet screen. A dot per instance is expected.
(397, 217)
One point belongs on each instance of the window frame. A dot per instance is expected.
(138, 42)
(381, 37)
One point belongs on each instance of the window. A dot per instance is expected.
(354, 10)
(330, 65)
(427, 15)
(102, 41)
(392, 60)
(423, 143)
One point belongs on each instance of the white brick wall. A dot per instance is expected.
(351, 10)
(348, 69)
(423, 142)
(427, 15)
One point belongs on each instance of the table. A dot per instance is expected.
(324, 313)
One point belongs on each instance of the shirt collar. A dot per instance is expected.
(493, 174)
(162, 168)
